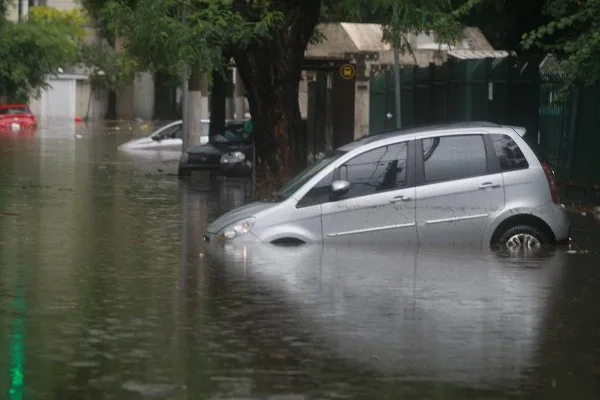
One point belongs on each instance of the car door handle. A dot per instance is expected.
(488, 185)
(399, 198)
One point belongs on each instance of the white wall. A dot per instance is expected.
(98, 101)
(68, 97)
(143, 95)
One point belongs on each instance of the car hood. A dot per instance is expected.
(144, 143)
(213, 148)
(237, 214)
(137, 143)
(206, 149)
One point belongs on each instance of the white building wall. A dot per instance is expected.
(143, 95)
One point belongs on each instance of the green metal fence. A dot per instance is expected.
(509, 91)
(499, 90)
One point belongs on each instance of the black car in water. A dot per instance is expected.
(230, 153)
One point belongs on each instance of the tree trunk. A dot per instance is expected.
(271, 71)
(218, 94)
(165, 97)
(194, 109)
(111, 107)
(239, 93)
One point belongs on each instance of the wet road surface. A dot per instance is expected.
(106, 292)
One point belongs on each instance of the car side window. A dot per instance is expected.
(448, 158)
(374, 171)
(178, 133)
(509, 154)
(319, 194)
(169, 133)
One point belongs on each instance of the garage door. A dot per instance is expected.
(59, 99)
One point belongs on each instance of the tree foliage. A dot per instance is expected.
(401, 17)
(107, 67)
(34, 49)
(573, 35)
(503, 22)
(172, 35)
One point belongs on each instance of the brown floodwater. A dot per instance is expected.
(107, 292)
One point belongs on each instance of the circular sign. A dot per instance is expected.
(347, 71)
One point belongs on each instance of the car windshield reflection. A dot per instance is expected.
(297, 182)
(234, 134)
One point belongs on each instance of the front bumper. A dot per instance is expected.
(213, 239)
(236, 169)
(186, 169)
(230, 170)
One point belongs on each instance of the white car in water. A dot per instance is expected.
(167, 137)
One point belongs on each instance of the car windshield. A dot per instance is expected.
(172, 132)
(14, 110)
(234, 133)
(299, 180)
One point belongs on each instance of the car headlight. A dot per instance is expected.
(233, 157)
(238, 228)
(184, 158)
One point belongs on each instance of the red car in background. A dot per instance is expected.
(16, 118)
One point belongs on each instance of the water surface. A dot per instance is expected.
(106, 292)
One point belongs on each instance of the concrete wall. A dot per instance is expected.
(361, 109)
(97, 99)
(143, 95)
(12, 12)
(303, 94)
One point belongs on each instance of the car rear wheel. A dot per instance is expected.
(522, 237)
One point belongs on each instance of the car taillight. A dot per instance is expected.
(551, 181)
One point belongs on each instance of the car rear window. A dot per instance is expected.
(509, 154)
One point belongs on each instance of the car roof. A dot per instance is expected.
(426, 130)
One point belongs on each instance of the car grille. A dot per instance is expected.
(204, 159)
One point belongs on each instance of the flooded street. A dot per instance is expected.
(107, 292)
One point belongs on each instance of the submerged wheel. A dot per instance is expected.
(522, 237)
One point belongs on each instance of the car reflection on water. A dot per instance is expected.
(471, 318)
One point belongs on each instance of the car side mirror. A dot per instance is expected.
(340, 188)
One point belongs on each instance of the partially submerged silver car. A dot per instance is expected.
(167, 137)
(468, 183)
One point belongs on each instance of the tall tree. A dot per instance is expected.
(270, 68)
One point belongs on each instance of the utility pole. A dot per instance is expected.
(184, 96)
